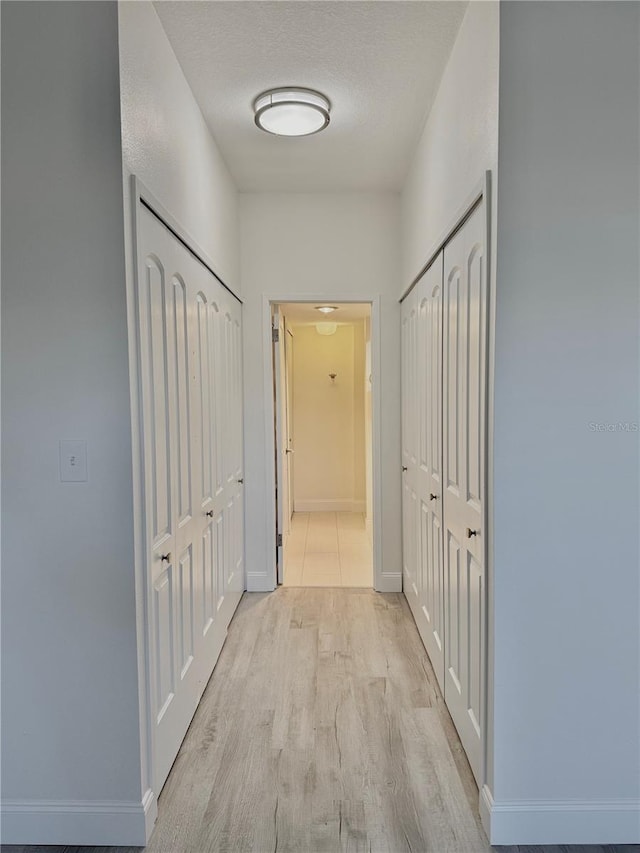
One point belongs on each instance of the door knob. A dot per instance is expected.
(165, 558)
(240, 481)
(209, 513)
(404, 467)
(471, 532)
(433, 497)
(289, 450)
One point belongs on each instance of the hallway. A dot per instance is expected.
(321, 729)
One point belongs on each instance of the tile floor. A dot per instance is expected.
(328, 549)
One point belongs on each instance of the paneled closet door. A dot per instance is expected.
(429, 467)
(208, 469)
(170, 441)
(410, 428)
(218, 479)
(158, 396)
(191, 406)
(464, 404)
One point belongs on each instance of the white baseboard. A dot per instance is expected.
(150, 806)
(78, 822)
(485, 805)
(258, 582)
(390, 582)
(328, 505)
(513, 822)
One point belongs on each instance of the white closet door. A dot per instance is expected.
(206, 479)
(191, 407)
(173, 549)
(429, 468)
(410, 428)
(465, 370)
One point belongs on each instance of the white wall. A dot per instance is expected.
(167, 144)
(328, 419)
(567, 716)
(69, 680)
(459, 141)
(342, 245)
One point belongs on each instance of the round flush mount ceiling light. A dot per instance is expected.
(326, 309)
(291, 111)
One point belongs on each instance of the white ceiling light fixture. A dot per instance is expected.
(291, 111)
(326, 309)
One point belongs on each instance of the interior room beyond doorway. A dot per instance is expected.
(328, 549)
(322, 387)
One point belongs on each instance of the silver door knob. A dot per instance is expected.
(209, 513)
(404, 467)
(433, 497)
(240, 481)
(165, 558)
(471, 533)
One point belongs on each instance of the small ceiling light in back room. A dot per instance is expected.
(326, 309)
(291, 111)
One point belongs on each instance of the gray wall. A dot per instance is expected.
(69, 681)
(566, 495)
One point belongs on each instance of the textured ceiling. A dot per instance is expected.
(379, 62)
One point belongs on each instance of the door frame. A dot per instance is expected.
(282, 435)
(376, 420)
(140, 196)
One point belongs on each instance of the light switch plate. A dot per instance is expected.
(73, 462)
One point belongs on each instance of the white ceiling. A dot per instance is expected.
(378, 61)
(305, 314)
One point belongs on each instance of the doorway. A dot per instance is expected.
(323, 443)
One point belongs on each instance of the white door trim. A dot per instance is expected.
(141, 193)
(277, 350)
(380, 583)
(480, 191)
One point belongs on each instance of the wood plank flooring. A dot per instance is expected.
(322, 729)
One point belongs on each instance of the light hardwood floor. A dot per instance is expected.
(328, 549)
(322, 729)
